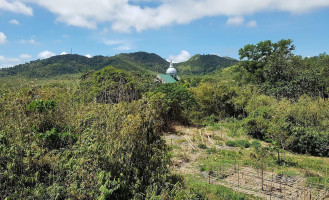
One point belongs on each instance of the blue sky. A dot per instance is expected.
(173, 29)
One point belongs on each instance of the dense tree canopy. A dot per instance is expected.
(280, 73)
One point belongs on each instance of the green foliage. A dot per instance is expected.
(53, 139)
(202, 146)
(41, 105)
(257, 123)
(81, 142)
(203, 64)
(212, 150)
(259, 55)
(216, 99)
(280, 73)
(296, 122)
(143, 62)
(110, 85)
(203, 190)
(79, 150)
(256, 144)
(73, 64)
(177, 101)
(238, 143)
(310, 141)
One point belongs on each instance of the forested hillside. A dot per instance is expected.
(203, 64)
(100, 136)
(72, 64)
(138, 62)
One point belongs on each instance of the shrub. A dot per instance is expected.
(238, 143)
(178, 99)
(202, 146)
(54, 139)
(256, 144)
(41, 105)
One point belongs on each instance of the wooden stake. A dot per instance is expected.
(262, 175)
(280, 183)
(210, 173)
(234, 164)
(326, 177)
(238, 177)
(271, 188)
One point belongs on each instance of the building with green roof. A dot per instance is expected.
(170, 76)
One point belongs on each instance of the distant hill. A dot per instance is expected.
(203, 64)
(139, 61)
(150, 61)
(72, 64)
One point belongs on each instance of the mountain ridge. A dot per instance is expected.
(137, 62)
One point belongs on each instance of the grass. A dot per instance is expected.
(214, 156)
(205, 190)
(238, 143)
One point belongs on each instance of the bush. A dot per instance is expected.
(202, 146)
(178, 99)
(54, 139)
(256, 144)
(308, 141)
(238, 143)
(41, 105)
(110, 85)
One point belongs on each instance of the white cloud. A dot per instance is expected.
(123, 48)
(46, 54)
(120, 45)
(252, 23)
(88, 56)
(14, 21)
(64, 53)
(181, 57)
(8, 62)
(127, 15)
(3, 38)
(16, 7)
(113, 42)
(235, 21)
(30, 41)
(25, 56)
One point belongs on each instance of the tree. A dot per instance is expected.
(110, 85)
(179, 101)
(258, 56)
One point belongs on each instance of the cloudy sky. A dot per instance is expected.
(173, 29)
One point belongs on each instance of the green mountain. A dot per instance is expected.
(72, 64)
(203, 64)
(138, 61)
